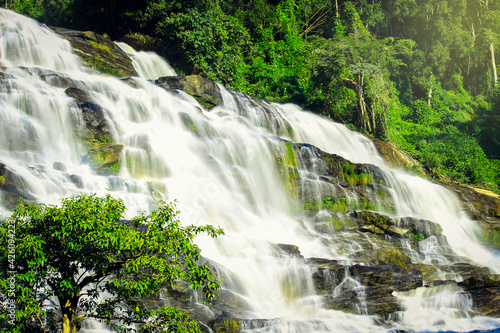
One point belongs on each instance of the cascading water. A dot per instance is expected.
(220, 166)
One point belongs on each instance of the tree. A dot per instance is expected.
(59, 262)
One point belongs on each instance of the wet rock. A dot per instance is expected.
(5, 76)
(59, 166)
(96, 126)
(481, 281)
(486, 301)
(484, 289)
(77, 180)
(288, 250)
(390, 276)
(225, 325)
(228, 305)
(141, 42)
(99, 52)
(420, 226)
(394, 157)
(12, 187)
(356, 302)
(55, 79)
(326, 279)
(105, 158)
(194, 85)
(481, 206)
(357, 287)
(369, 221)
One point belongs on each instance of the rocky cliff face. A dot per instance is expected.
(377, 246)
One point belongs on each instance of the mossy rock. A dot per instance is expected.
(141, 42)
(394, 157)
(105, 158)
(194, 85)
(393, 256)
(99, 52)
(96, 129)
(226, 326)
(369, 221)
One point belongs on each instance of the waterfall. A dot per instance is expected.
(220, 166)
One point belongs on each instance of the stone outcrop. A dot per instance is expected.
(480, 205)
(98, 52)
(195, 85)
(394, 157)
(141, 42)
(95, 127)
(485, 293)
(12, 187)
(363, 288)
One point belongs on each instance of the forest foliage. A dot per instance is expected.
(66, 264)
(421, 75)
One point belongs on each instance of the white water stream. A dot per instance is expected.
(222, 173)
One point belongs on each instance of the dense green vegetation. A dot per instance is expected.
(418, 74)
(63, 265)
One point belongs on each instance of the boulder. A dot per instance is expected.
(358, 288)
(96, 127)
(141, 42)
(394, 157)
(99, 52)
(194, 85)
(486, 301)
(484, 289)
(105, 158)
(481, 281)
(284, 250)
(12, 187)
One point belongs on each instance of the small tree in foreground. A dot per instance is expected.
(96, 266)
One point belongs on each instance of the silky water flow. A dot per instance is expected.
(221, 170)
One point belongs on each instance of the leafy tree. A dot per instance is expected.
(81, 261)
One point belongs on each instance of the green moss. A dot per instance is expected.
(290, 157)
(189, 123)
(490, 238)
(227, 326)
(328, 160)
(105, 158)
(348, 169)
(96, 141)
(99, 46)
(286, 165)
(417, 170)
(416, 234)
(116, 166)
(2, 181)
(289, 131)
(343, 205)
(333, 204)
(102, 66)
(353, 178)
(203, 102)
(341, 224)
(395, 256)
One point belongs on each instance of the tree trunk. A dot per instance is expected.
(336, 8)
(429, 92)
(493, 66)
(363, 119)
(70, 324)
